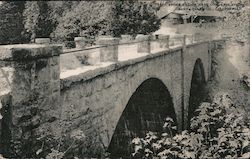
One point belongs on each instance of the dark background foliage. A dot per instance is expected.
(22, 21)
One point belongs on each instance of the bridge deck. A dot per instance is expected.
(125, 57)
(125, 54)
(73, 70)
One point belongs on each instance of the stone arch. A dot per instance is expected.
(145, 111)
(198, 88)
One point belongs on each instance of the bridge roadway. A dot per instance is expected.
(125, 53)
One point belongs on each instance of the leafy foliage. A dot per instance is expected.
(93, 18)
(64, 20)
(235, 22)
(85, 15)
(218, 131)
(11, 26)
(136, 18)
(37, 21)
(1, 117)
(63, 144)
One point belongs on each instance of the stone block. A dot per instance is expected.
(93, 58)
(42, 40)
(143, 45)
(126, 38)
(80, 42)
(109, 49)
(164, 41)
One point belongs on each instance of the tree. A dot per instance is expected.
(136, 17)
(84, 15)
(11, 25)
(107, 18)
(37, 19)
(236, 22)
(64, 20)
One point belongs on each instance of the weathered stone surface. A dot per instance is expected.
(110, 51)
(27, 51)
(97, 99)
(143, 45)
(126, 38)
(30, 75)
(80, 42)
(42, 40)
(164, 41)
(42, 105)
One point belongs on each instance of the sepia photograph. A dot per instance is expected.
(125, 79)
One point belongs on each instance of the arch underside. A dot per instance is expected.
(146, 110)
(198, 90)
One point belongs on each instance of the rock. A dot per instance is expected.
(246, 79)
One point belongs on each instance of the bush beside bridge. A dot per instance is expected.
(219, 130)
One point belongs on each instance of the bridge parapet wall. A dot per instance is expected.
(110, 49)
(113, 49)
(37, 98)
(30, 92)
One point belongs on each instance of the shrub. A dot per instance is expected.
(1, 157)
(114, 18)
(36, 19)
(220, 130)
(11, 26)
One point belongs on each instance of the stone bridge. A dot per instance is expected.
(110, 93)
